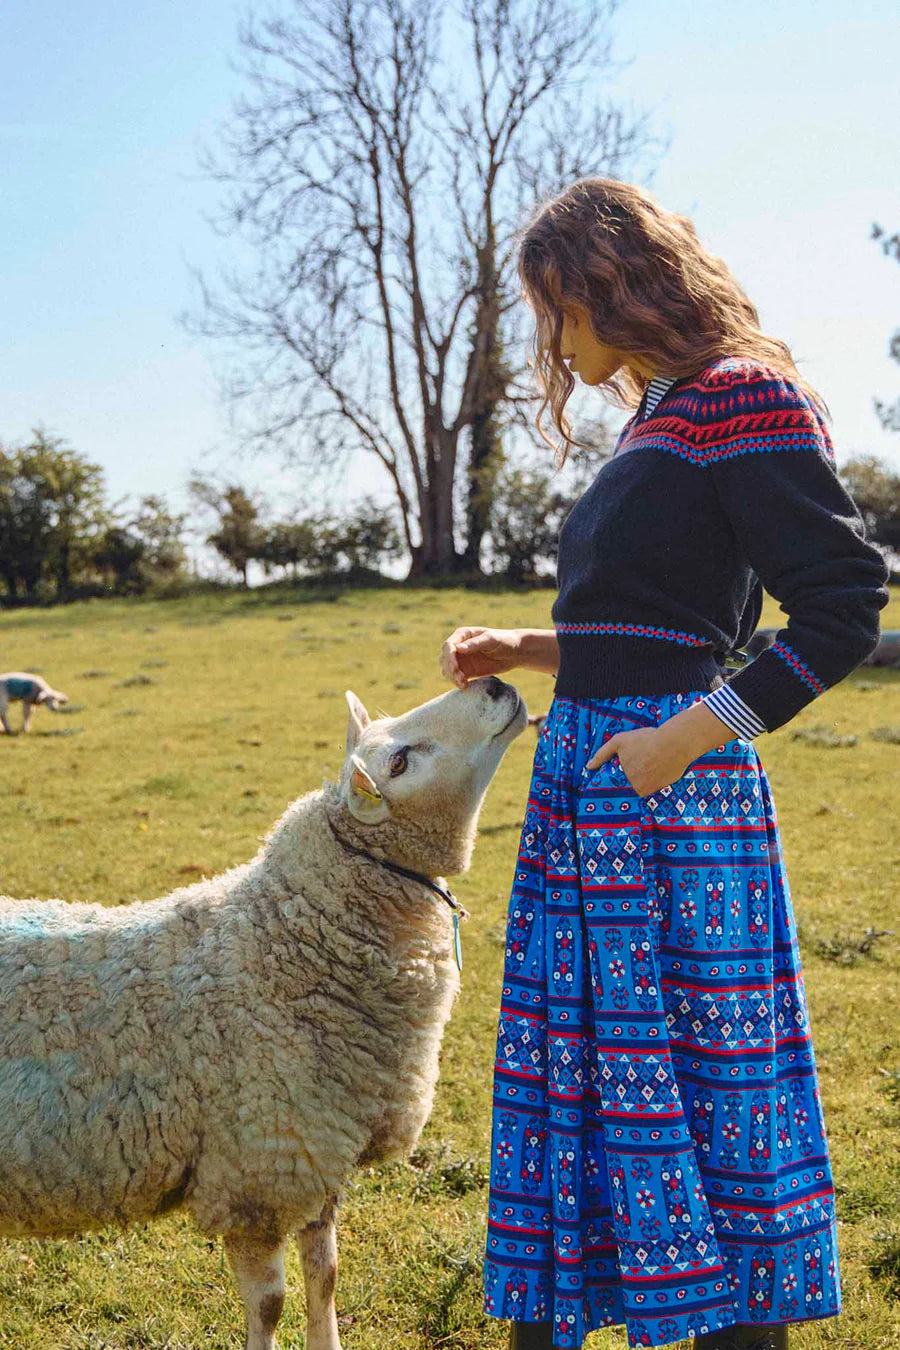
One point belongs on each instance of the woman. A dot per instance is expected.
(658, 1153)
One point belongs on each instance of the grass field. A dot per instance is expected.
(192, 724)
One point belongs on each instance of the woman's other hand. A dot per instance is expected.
(649, 760)
(653, 757)
(471, 652)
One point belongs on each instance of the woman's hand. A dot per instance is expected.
(653, 757)
(471, 652)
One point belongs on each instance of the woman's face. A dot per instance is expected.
(590, 358)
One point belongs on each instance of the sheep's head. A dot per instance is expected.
(416, 782)
(51, 698)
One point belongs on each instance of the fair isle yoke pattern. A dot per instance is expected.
(739, 408)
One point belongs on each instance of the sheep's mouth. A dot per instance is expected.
(515, 714)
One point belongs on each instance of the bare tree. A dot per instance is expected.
(379, 173)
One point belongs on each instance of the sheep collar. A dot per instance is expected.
(443, 891)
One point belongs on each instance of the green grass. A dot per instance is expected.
(196, 721)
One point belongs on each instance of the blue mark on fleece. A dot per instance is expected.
(24, 932)
(17, 689)
(22, 925)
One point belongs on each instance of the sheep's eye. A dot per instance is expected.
(398, 761)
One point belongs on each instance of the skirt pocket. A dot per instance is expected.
(608, 774)
(720, 787)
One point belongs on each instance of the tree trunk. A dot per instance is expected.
(64, 572)
(492, 378)
(436, 555)
(485, 459)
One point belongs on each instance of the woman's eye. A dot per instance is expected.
(398, 762)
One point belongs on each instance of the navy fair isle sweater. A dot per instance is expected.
(722, 483)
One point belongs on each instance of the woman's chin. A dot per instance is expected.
(595, 374)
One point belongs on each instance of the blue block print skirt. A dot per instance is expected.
(658, 1150)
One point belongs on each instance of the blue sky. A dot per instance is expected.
(782, 117)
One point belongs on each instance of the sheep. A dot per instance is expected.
(32, 691)
(238, 1046)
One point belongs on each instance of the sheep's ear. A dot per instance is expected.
(364, 800)
(359, 720)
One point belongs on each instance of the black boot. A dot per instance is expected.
(742, 1337)
(531, 1336)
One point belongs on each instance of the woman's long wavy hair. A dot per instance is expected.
(650, 288)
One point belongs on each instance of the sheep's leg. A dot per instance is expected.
(259, 1271)
(318, 1251)
(4, 720)
(26, 714)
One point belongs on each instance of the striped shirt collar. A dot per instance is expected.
(655, 390)
(650, 398)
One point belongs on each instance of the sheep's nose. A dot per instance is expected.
(494, 687)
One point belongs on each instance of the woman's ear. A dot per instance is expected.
(364, 800)
(358, 721)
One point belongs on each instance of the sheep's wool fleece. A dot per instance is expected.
(237, 1045)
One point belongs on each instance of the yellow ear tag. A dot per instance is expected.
(360, 779)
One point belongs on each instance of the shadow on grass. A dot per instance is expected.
(886, 1266)
(438, 1317)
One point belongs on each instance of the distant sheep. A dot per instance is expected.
(887, 653)
(31, 691)
(759, 642)
(238, 1046)
(537, 721)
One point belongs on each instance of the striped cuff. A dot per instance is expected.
(733, 711)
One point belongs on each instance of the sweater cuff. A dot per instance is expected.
(731, 709)
(776, 685)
